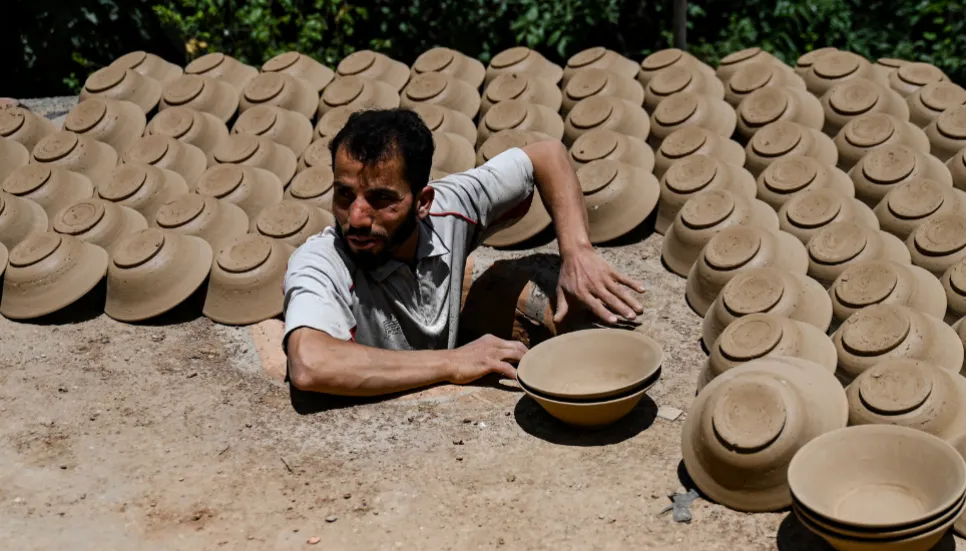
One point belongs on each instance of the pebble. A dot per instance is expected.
(192, 375)
(331, 518)
(459, 458)
(669, 413)
(313, 540)
(511, 478)
(346, 495)
(467, 420)
(600, 517)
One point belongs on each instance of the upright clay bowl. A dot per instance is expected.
(914, 202)
(867, 132)
(959, 444)
(788, 177)
(939, 243)
(98, 222)
(215, 221)
(807, 212)
(694, 140)
(886, 282)
(887, 166)
(786, 139)
(925, 539)
(51, 187)
(116, 123)
(617, 198)
(694, 174)
(245, 280)
(607, 144)
(142, 187)
(838, 245)
(76, 153)
(19, 218)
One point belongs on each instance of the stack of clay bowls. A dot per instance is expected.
(618, 197)
(878, 487)
(593, 377)
(887, 166)
(886, 282)
(693, 174)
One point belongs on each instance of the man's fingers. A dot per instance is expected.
(629, 282)
(597, 307)
(614, 304)
(506, 370)
(625, 295)
(514, 351)
(561, 306)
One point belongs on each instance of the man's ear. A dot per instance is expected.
(424, 201)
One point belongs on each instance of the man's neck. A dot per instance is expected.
(406, 251)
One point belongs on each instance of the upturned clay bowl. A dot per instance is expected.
(788, 177)
(518, 115)
(224, 68)
(735, 61)
(47, 272)
(536, 219)
(885, 282)
(680, 78)
(617, 197)
(260, 152)
(870, 131)
(521, 87)
(694, 140)
(755, 76)
(912, 203)
(954, 285)
(606, 112)
(70, 151)
(607, 144)
(927, 103)
(746, 425)
(13, 156)
(441, 89)
(117, 83)
(939, 243)
(957, 169)
(704, 215)
(441, 119)
(837, 67)
(591, 413)
(806, 60)
(670, 57)
(245, 280)
(694, 174)
(889, 65)
(116, 123)
(171, 154)
(280, 125)
(600, 82)
(520, 59)
(809, 211)
(947, 133)
(250, 188)
(98, 222)
(767, 290)
(450, 62)
(888, 331)
(452, 153)
(959, 444)
(202, 130)
(215, 221)
(690, 109)
(757, 336)
(335, 119)
(374, 66)
(506, 139)
(911, 77)
(205, 94)
(887, 166)
(50, 187)
(778, 103)
(301, 66)
(786, 139)
(317, 154)
(292, 222)
(4, 254)
(858, 97)
(142, 187)
(598, 57)
(735, 249)
(313, 186)
(358, 93)
(838, 245)
(281, 90)
(19, 219)
(149, 65)
(152, 271)
(24, 126)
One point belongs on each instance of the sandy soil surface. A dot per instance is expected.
(179, 435)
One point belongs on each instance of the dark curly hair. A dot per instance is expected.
(376, 135)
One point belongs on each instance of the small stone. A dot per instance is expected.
(457, 442)
(251, 537)
(248, 425)
(313, 540)
(511, 478)
(105, 340)
(507, 414)
(157, 337)
(467, 420)
(62, 390)
(600, 517)
(459, 458)
(331, 518)
(63, 467)
(346, 495)
(500, 541)
(669, 413)
(181, 479)
(410, 419)
(192, 375)
(612, 521)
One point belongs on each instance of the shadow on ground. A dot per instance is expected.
(537, 422)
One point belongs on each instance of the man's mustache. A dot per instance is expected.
(363, 232)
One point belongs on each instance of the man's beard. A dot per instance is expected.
(368, 260)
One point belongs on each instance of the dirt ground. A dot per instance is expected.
(179, 435)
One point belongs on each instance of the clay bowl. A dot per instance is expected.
(205, 94)
(758, 75)
(617, 197)
(885, 167)
(4, 254)
(374, 66)
(939, 243)
(735, 61)
(142, 187)
(450, 62)
(746, 425)
(116, 123)
(606, 112)
(302, 67)
(670, 57)
(598, 57)
(607, 144)
(927, 103)
(889, 331)
(245, 278)
(13, 156)
(786, 139)
(316, 154)
(694, 174)
(919, 541)
(19, 219)
(789, 177)
(957, 169)
(837, 67)
(805, 214)
(215, 221)
(600, 82)
(912, 203)
(251, 189)
(47, 272)
(280, 125)
(591, 413)
(281, 90)
(867, 132)
(152, 271)
(959, 443)
(441, 119)
(767, 290)
(149, 65)
(738, 248)
(885, 282)
(504, 140)
(518, 115)
(704, 215)
(536, 220)
(689, 109)
(224, 68)
(358, 93)
(757, 336)
(76, 153)
(806, 60)
(911, 77)
(335, 119)
(947, 133)
(778, 103)
(889, 65)
(441, 89)
(313, 186)
(954, 285)
(452, 153)
(260, 152)
(694, 140)
(98, 222)
(521, 87)
(857, 97)
(202, 130)
(680, 78)
(117, 83)
(292, 222)
(838, 245)
(523, 60)
(24, 126)
(171, 154)
(50, 187)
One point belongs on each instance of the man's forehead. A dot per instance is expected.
(387, 173)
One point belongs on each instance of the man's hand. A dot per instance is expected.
(586, 277)
(485, 355)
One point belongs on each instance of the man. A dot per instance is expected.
(372, 304)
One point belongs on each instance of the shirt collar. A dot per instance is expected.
(429, 245)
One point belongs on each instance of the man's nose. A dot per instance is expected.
(360, 213)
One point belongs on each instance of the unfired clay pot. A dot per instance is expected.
(947, 133)
(302, 67)
(809, 211)
(866, 132)
(689, 109)
(887, 166)
(778, 103)
(224, 68)
(149, 65)
(806, 60)
(837, 67)
(591, 413)
(609, 113)
(123, 84)
(441, 119)
(885, 282)
(694, 140)
(4, 254)
(452, 153)
(450, 62)
(215, 221)
(441, 89)
(202, 130)
(838, 245)
(335, 119)
(359, 93)
(142, 187)
(281, 90)
(959, 443)
(522, 87)
(250, 188)
(857, 97)
(600, 82)
(76, 153)
(598, 58)
(292, 222)
(24, 126)
(913, 202)
(617, 197)
(670, 57)
(19, 219)
(536, 220)
(98, 222)
(607, 144)
(374, 66)
(205, 94)
(316, 154)
(518, 115)
(13, 156)
(957, 169)
(939, 242)
(116, 123)
(245, 278)
(506, 139)
(694, 174)
(735, 61)
(169, 153)
(523, 60)
(954, 285)
(282, 126)
(259, 152)
(928, 102)
(785, 139)
(51, 187)
(313, 186)
(680, 78)
(911, 77)
(889, 65)
(787, 177)
(755, 76)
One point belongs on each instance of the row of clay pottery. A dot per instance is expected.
(735, 61)
(939, 243)
(690, 109)
(98, 222)
(694, 174)
(605, 112)
(301, 66)
(857, 97)
(887, 166)
(618, 197)
(281, 90)
(598, 57)
(808, 212)
(885, 282)
(788, 177)
(681, 78)
(116, 83)
(280, 125)
(450, 62)
(787, 139)
(912, 203)
(837, 246)
(149, 65)
(443, 90)
(519, 115)
(520, 59)
(202, 130)
(142, 187)
(521, 87)
(116, 123)
(453, 153)
(51, 188)
(258, 151)
(837, 67)
(778, 103)
(314, 186)
(695, 140)
(359, 93)
(76, 153)
(375, 66)
(204, 94)
(806, 60)
(607, 144)
(166, 152)
(222, 67)
(599, 82)
(24, 126)
(927, 103)
(947, 133)
(866, 132)
(671, 57)
(755, 76)
(746, 425)
(13, 156)
(249, 188)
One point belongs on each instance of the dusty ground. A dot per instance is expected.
(177, 436)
